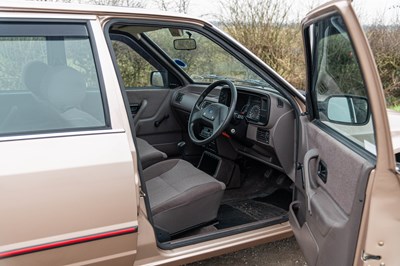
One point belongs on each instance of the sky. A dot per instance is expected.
(368, 11)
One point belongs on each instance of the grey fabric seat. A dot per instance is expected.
(148, 154)
(181, 196)
(33, 74)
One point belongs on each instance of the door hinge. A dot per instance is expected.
(141, 193)
(365, 256)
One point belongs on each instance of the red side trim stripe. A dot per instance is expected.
(67, 242)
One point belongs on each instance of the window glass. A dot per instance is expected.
(48, 83)
(135, 70)
(338, 84)
(80, 57)
(16, 52)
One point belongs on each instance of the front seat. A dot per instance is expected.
(181, 196)
(148, 154)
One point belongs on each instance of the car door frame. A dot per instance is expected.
(383, 182)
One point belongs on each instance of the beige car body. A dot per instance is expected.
(114, 228)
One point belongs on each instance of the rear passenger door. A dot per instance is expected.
(346, 188)
(68, 185)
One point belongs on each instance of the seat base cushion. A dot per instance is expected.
(181, 196)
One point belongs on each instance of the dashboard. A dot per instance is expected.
(262, 127)
(253, 108)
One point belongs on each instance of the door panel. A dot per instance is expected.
(326, 216)
(65, 206)
(156, 122)
(329, 211)
(68, 180)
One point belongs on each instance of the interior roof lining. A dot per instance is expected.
(134, 29)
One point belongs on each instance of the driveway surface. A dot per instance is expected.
(283, 252)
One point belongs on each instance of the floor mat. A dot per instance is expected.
(246, 211)
(229, 216)
(280, 198)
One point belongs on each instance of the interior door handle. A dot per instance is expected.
(322, 171)
(134, 108)
(142, 106)
(310, 155)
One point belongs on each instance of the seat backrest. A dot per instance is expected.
(32, 76)
(65, 89)
(26, 111)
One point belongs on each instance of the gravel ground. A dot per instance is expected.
(283, 252)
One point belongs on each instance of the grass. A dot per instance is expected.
(395, 107)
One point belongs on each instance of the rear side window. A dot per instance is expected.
(48, 79)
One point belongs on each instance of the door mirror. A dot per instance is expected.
(346, 109)
(156, 79)
(185, 44)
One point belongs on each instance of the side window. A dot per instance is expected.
(48, 79)
(136, 71)
(338, 87)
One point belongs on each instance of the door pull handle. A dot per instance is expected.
(322, 171)
(158, 123)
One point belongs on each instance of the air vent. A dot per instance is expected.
(263, 135)
(280, 103)
(323, 89)
(179, 97)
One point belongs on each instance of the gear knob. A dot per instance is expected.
(181, 147)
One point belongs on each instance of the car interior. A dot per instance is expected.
(231, 152)
(215, 150)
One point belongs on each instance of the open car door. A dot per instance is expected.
(346, 189)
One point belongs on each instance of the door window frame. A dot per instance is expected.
(311, 98)
(145, 55)
(48, 28)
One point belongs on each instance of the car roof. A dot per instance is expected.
(87, 9)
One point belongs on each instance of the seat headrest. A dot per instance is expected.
(64, 87)
(32, 76)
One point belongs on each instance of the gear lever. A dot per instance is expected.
(181, 148)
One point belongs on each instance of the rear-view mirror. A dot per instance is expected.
(185, 44)
(347, 109)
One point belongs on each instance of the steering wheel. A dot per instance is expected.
(212, 119)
